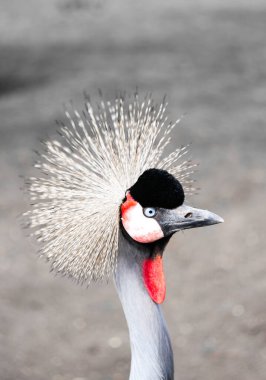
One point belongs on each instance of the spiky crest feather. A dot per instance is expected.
(75, 212)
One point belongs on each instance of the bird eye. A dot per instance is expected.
(150, 212)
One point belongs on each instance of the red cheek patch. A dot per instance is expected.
(128, 203)
(154, 280)
(138, 226)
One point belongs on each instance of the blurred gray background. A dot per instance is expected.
(209, 57)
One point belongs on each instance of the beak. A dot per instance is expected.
(185, 217)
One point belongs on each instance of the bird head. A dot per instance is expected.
(100, 157)
(153, 210)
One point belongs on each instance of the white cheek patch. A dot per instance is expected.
(139, 227)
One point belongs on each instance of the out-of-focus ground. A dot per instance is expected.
(209, 57)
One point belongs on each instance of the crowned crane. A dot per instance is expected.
(108, 203)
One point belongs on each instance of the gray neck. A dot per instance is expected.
(151, 351)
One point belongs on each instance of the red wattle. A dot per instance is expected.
(154, 280)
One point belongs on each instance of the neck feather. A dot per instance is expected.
(152, 356)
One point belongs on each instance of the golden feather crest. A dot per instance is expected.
(83, 178)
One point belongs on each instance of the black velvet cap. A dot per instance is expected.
(158, 188)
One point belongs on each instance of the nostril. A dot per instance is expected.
(188, 215)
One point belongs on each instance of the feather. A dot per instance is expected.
(83, 178)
